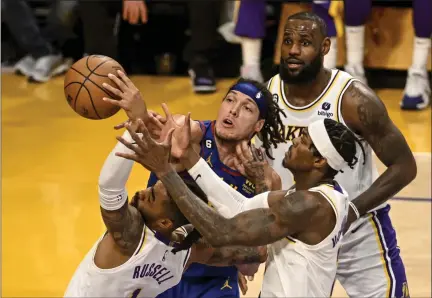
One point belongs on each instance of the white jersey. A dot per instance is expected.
(152, 270)
(295, 269)
(327, 105)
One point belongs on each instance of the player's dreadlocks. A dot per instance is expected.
(272, 131)
(344, 142)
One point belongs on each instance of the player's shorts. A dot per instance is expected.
(204, 287)
(369, 262)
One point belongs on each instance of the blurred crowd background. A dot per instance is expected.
(386, 44)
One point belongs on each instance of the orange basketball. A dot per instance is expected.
(83, 86)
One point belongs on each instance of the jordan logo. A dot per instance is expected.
(209, 160)
(226, 285)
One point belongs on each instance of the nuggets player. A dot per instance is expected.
(246, 109)
(303, 226)
(134, 258)
(307, 91)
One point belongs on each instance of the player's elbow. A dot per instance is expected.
(104, 182)
(406, 169)
(409, 171)
(262, 252)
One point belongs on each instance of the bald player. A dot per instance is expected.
(369, 261)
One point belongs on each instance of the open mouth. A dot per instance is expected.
(228, 122)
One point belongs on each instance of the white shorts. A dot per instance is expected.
(369, 263)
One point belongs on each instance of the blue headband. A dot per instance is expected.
(254, 93)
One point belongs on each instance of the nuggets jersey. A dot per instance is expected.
(210, 153)
(150, 271)
(327, 105)
(295, 269)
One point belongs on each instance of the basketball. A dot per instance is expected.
(83, 86)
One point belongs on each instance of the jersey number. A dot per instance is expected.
(135, 293)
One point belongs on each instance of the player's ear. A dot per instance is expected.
(325, 46)
(165, 223)
(320, 162)
(259, 125)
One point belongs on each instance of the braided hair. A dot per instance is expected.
(344, 142)
(272, 131)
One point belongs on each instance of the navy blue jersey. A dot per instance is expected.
(210, 153)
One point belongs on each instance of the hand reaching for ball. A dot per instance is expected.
(131, 100)
(133, 104)
(153, 155)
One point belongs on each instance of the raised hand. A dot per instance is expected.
(130, 101)
(170, 122)
(153, 155)
(182, 133)
(251, 163)
(155, 121)
(182, 139)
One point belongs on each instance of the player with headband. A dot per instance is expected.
(303, 225)
(246, 109)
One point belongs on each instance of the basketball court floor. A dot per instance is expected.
(51, 159)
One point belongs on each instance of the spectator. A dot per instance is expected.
(252, 33)
(43, 59)
(323, 9)
(417, 91)
(101, 20)
(201, 50)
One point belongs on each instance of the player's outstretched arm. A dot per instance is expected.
(202, 252)
(286, 215)
(366, 114)
(123, 222)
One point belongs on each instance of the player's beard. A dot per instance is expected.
(225, 139)
(306, 75)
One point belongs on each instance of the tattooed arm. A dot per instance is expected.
(202, 252)
(123, 222)
(125, 226)
(287, 215)
(365, 114)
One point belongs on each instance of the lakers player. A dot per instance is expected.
(303, 226)
(134, 258)
(369, 260)
(246, 109)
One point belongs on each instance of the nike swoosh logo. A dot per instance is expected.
(198, 176)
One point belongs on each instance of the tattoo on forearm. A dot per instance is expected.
(261, 187)
(233, 255)
(248, 228)
(255, 170)
(124, 226)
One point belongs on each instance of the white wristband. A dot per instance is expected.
(354, 208)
